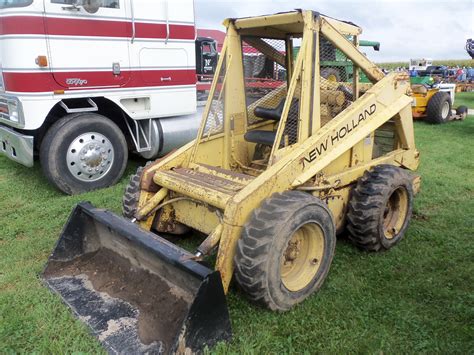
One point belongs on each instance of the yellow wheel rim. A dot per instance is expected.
(395, 213)
(302, 257)
(332, 78)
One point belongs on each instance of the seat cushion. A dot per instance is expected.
(260, 137)
(270, 113)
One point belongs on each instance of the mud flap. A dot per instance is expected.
(137, 292)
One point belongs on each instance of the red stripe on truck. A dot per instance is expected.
(46, 82)
(34, 25)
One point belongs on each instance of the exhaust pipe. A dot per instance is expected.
(136, 291)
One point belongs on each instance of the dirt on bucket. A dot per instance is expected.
(161, 312)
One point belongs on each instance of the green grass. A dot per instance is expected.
(418, 297)
(464, 98)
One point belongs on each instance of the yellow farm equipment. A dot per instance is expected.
(435, 105)
(276, 171)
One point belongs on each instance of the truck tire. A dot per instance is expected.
(331, 74)
(380, 208)
(285, 250)
(439, 108)
(83, 152)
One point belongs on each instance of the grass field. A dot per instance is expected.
(464, 98)
(418, 297)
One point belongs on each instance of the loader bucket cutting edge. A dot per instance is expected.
(137, 292)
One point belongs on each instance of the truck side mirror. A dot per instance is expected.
(91, 6)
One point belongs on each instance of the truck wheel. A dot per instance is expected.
(380, 208)
(83, 152)
(285, 250)
(331, 75)
(439, 108)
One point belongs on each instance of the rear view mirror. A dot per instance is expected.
(91, 6)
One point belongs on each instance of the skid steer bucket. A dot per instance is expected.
(137, 292)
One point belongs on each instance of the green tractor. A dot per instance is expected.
(336, 67)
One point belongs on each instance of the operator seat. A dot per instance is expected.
(268, 137)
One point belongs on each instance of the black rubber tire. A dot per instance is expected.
(462, 109)
(462, 112)
(367, 205)
(131, 195)
(327, 72)
(265, 237)
(434, 110)
(55, 143)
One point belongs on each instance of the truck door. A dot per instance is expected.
(88, 44)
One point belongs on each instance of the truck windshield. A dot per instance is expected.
(14, 3)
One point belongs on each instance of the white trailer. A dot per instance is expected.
(82, 82)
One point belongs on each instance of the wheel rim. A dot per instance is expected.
(395, 213)
(445, 110)
(90, 157)
(332, 78)
(302, 257)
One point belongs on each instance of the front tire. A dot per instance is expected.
(380, 208)
(285, 250)
(131, 195)
(83, 152)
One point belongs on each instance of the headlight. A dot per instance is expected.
(13, 111)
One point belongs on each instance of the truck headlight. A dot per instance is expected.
(13, 111)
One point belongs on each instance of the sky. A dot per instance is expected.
(435, 29)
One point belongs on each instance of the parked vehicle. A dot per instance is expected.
(82, 83)
(268, 182)
(439, 70)
(420, 64)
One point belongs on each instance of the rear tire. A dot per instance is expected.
(331, 74)
(380, 208)
(83, 152)
(462, 112)
(439, 108)
(285, 250)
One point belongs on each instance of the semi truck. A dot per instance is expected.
(83, 82)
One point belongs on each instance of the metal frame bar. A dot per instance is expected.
(139, 131)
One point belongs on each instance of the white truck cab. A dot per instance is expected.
(420, 64)
(82, 81)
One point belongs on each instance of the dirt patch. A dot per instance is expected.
(420, 216)
(161, 313)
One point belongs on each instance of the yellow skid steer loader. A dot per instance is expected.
(283, 161)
